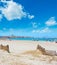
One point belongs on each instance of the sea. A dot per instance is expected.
(35, 39)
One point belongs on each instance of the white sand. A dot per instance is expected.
(20, 46)
(49, 46)
(15, 58)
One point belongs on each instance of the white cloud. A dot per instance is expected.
(42, 30)
(34, 24)
(45, 30)
(13, 11)
(51, 22)
(30, 16)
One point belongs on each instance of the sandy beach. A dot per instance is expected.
(25, 53)
(28, 32)
(20, 46)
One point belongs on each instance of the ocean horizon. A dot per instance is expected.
(35, 39)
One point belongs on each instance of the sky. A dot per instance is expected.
(34, 18)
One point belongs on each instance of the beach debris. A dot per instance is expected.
(46, 52)
(41, 49)
(5, 48)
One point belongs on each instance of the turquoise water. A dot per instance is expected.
(35, 39)
(21, 38)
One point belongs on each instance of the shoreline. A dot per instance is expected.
(23, 45)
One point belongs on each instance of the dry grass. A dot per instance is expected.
(35, 53)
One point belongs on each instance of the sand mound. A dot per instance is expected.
(34, 52)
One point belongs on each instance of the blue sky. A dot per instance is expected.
(36, 18)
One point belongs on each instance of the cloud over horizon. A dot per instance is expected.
(44, 30)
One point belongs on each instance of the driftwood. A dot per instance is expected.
(6, 48)
(41, 49)
(46, 52)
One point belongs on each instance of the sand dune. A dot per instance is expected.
(25, 53)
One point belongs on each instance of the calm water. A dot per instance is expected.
(35, 39)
